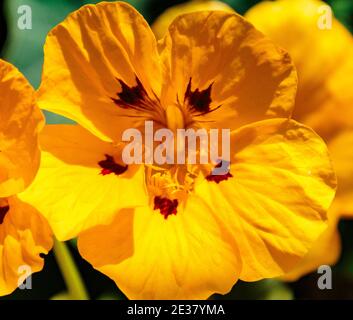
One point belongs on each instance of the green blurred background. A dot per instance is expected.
(23, 48)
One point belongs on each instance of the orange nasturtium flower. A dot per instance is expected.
(176, 231)
(322, 51)
(24, 234)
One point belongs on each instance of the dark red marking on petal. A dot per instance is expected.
(3, 212)
(135, 98)
(110, 166)
(130, 95)
(165, 206)
(219, 177)
(198, 100)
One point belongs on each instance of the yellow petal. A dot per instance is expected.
(325, 251)
(327, 248)
(324, 63)
(323, 59)
(161, 24)
(187, 256)
(250, 77)
(71, 190)
(276, 202)
(20, 121)
(86, 57)
(24, 236)
(342, 157)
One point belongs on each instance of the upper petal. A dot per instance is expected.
(89, 56)
(244, 76)
(20, 121)
(24, 236)
(161, 24)
(276, 201)
(80, 183)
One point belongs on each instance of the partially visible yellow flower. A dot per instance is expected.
(176, 231)
(323, 55)
(24, 234)
(161, 24)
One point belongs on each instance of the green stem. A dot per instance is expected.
(72, 277)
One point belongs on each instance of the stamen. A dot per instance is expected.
(169, 187)
(219, 177)
(165, 206)
(174, 182)
(110, 166)
(3, 212)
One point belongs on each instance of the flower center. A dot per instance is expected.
(169, 186)
(173, 143)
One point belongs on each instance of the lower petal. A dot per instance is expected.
(79, 184)
(325, 251)
(275, 203)
(187, 256)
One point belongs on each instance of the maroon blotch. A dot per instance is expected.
(110, 166)
(130, 97)
(165, 206)
(3, 212)
(198, 100)
(219, 177)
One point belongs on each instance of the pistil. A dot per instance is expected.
(175, 118)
